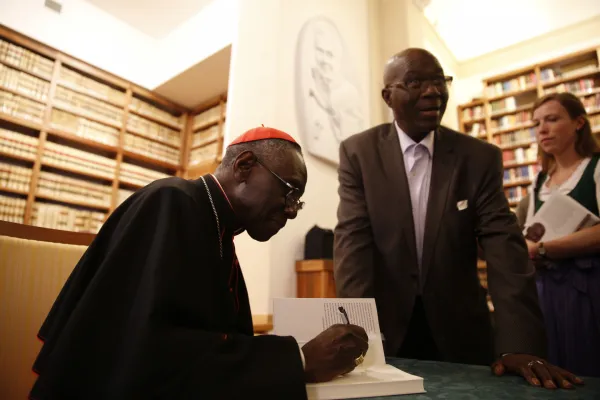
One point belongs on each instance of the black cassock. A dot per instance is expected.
(152, 310)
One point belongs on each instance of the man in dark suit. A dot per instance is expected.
(415, 200)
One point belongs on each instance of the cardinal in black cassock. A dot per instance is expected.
(157, 307)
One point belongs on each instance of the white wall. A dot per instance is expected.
(84, 31)
(564, 41)
(202, 35)
(261, 91)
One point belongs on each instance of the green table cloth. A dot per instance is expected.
(458, 381)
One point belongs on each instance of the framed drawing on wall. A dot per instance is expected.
(329, 106)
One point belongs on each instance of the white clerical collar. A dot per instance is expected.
(406, 141)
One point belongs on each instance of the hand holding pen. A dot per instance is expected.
(335, 351)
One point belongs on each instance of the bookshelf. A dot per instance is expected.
(206, 137)
(76, 141)
(502, 116)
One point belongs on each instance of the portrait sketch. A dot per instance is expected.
(328, 97)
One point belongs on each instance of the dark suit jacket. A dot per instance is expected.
(375, 254)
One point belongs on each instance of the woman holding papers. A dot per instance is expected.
(569, 265)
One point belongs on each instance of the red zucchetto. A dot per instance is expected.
(262, 133)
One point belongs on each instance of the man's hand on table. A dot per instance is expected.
(335, 351)
(536, 371)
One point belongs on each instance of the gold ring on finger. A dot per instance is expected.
(359, 360)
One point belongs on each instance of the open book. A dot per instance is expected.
(559, 216)
(306, 318)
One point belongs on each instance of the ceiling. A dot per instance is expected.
(201, 82)
(155, 18)
(471, 28)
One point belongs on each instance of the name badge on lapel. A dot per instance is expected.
(462, 205)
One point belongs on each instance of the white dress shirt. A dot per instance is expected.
(418, 159)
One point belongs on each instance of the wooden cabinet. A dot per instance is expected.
(314, 278)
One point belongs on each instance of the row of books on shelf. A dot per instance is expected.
(74, 80)
(72, 108)
(520, 155)
(585, 88)
(84, 128)
(22, 82)
(204, 154)
(69, 158)
(524, 174)
(522, 82)
(507, 104)
(151, 149)
(205, 136)
(21, 107)
(210, 116)
(147, 109)
(472, 113)
(12, 209)
(515, 194)
(23, 144)
(549, 75)
(25, 59)
(139, 176)
(69, 100)
(56, 155)
(522, 137)
(59, 187)
(68, 189)
(580, 87)
(14, 177)
(18, 145)
(154, 131)
(56, 216)
(510, 121)
(11, 54)
(123, 195)
(477, 130)
(592, 103)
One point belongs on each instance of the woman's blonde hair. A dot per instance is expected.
(586, 144)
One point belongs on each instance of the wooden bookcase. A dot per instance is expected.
(76, 141)
(503, 115)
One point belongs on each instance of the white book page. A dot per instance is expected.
(306, 318)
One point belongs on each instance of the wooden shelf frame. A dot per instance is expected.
(47, 132)
(206, 166)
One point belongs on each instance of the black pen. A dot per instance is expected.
(343, 311)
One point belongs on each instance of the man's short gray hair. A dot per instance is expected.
(270, 150)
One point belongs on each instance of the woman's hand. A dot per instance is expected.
(532, 249)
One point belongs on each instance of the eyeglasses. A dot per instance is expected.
(292, 198)
(441, 83)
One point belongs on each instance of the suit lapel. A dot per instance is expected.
(441, 177)
(396, 183)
